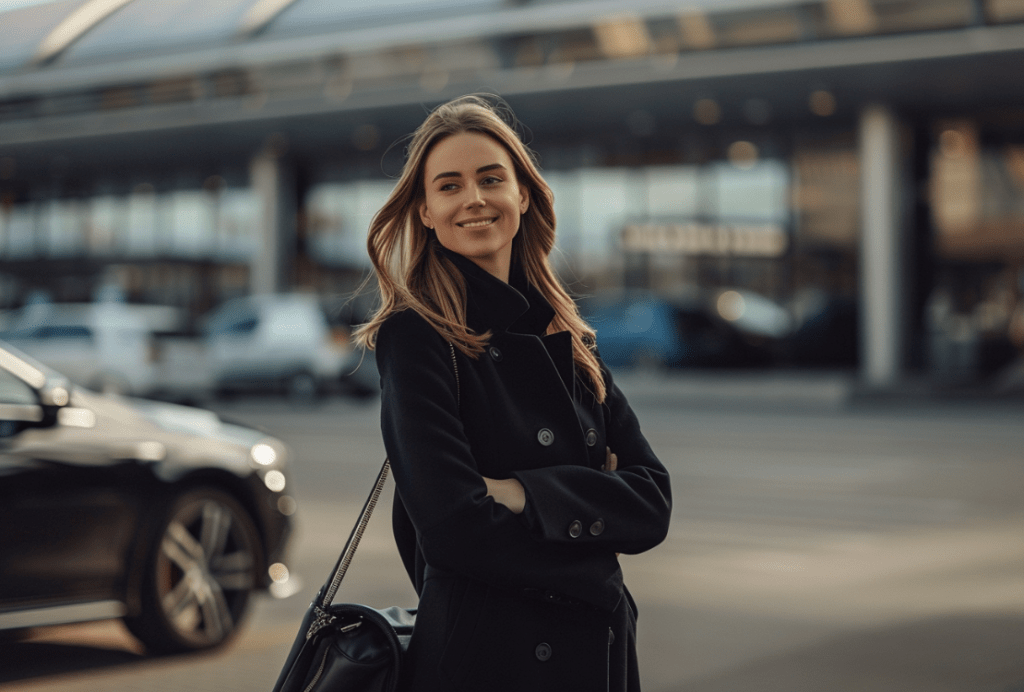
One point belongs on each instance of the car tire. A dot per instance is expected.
(302, 386)
(202, 565)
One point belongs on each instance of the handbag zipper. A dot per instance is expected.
(323, 661)
(319, 672)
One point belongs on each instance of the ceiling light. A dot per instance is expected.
(697, 31)
(742, 154)
(622, 36)
(851, 16)
(822, 103)
(707, 112)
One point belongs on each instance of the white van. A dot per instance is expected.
(106, 347)
(277, 341)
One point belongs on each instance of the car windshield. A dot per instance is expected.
(233, 319)
(14, 391)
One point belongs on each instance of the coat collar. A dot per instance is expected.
(492, 304)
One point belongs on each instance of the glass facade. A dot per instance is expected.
(975, 315)
(150, 246)
(696, 170)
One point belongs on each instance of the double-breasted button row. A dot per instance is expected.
(545, 437)
(576, 528)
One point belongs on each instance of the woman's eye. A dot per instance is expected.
(490, 180)
(448, 186)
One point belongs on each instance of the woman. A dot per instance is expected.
(501, 422)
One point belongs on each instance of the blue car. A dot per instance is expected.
(641, 329)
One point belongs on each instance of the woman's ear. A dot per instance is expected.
(524, 199)
(425, 215)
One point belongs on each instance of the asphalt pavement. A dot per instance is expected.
(820, 541)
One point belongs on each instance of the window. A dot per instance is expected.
(14, 391)
(63, 331)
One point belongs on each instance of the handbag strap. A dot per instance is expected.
(330, 588)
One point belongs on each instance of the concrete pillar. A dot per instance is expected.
(881, 256)
(273, 181)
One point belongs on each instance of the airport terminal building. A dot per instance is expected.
(858, 164)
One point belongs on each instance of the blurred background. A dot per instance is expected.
(797, 225)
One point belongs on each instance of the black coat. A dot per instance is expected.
(532, 602)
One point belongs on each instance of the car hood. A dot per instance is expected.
(102, 429)
(190, 421)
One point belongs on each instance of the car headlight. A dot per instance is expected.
(263, 454)
(275, 481)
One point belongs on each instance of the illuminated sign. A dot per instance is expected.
(694, 238)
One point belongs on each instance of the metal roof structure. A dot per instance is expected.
(110, 80)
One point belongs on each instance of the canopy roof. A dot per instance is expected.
(117, 83)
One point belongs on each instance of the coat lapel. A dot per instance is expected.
(516, 307)
(559, 347)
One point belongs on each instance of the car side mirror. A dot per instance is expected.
(56, 395)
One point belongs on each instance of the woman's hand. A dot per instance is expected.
(611, 462)
(508, 492)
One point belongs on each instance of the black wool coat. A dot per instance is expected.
(531, 602)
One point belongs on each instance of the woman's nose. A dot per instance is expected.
(473, 197)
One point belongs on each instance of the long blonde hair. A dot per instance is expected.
(413, 274)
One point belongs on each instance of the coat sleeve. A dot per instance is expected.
(625, 511)
(459, 528)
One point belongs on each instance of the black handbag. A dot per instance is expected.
(347, 646)
(350, 647)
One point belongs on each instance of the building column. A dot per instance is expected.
(273, 181)
(882, 329)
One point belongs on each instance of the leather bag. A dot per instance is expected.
(347, 646)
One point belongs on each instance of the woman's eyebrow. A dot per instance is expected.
(456, 174)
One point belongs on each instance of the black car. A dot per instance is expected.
(162, 515)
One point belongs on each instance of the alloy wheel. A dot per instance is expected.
(204, 569)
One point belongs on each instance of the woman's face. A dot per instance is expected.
(473, 200)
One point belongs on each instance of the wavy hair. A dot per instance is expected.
(413, 274)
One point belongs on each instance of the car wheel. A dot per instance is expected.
(302, 386)
(200, 570)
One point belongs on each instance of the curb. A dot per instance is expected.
(740, 390)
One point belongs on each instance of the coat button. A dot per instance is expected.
(597, 528)
(495, 352)
(546, 437)
(543, 651)
(575, 529)
(591, 437)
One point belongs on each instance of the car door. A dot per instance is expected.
(65, 513)
(233, 344)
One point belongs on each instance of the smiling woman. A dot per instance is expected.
(500, 421)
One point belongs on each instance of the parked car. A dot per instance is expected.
(828, 335)
(104, 346)
(359, 376)
(275, 341)
(162, 515)
(641, 329)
